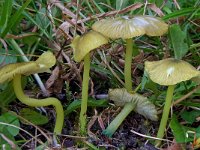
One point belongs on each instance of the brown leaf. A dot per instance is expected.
(55, 82)
(90, 124)
(63, 30)
(156, 9)
(101, 122)
(53, 77)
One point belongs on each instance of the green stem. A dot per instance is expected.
(113, 126)
(85, 85)
(39, 103)
(165, 115)
(127, 67)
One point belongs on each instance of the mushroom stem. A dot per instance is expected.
(165, 114)
(40, 102)
(85, 85)
(113, 126)
(127, 67)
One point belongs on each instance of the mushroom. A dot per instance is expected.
(126, 27)
(196, 79)
(169, 72)
(42, 64)
(131, 102)
(82, 47)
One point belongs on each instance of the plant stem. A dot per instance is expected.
(127, 67)
(113, 126)
(165, 114)
(40, 102)
(85, 85)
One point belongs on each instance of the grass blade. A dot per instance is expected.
(5, 14)
(15, 18)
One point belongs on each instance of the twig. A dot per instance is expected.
(11, 125)
(150, 137)
(103, 58)
(112, 13)
(186, 96)
(11, 143)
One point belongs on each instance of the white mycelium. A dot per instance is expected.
(41, 65)
(170, 71)
(125, 17)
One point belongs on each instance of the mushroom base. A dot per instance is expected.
(165, 115)
(113, 126)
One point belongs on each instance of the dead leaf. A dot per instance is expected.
(90, 124)
(156, 9)
(53, 77)
(101, 122)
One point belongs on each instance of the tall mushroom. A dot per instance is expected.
(82, 47)
(169, 72)
(126, 27)
(131, 102)
(42, 64)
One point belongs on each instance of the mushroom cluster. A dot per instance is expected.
(126, 28)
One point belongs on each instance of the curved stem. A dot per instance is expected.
(85, 85)
(40, 102)
(165, 114)
(127, 67)
(113, 126)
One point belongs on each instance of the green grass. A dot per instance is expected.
(29, 28)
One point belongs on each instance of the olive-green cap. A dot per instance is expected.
(126, 27)
(143, 106)
(196, 79)
(42, 64)
(82, 45)
(170, 71)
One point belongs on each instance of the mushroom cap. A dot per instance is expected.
(126, 27)
(143, 105)
(42, 64)
(196, 79)
(170, 71)
(82, 45)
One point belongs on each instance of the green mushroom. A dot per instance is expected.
(169, 72)
(196, 79)
(130, 102)
(82, 46)
(42, 64)
(127, 27)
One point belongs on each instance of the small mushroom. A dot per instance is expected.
(169, 72)
(129, 102)
(82, 46)
(126, 27)
(42, 64)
